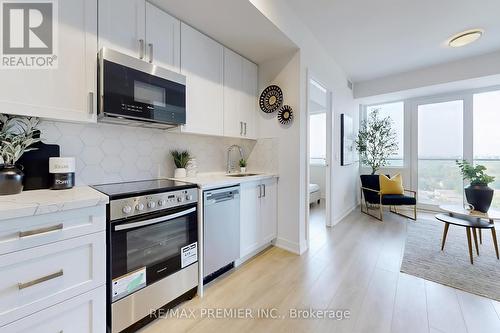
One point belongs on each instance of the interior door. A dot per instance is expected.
(440, 143)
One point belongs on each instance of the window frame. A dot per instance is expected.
(364, 115)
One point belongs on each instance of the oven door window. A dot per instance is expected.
(156, 246)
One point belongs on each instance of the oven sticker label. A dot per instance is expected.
(189, 254)
(129, 283)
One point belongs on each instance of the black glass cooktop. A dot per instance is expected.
(143, 187)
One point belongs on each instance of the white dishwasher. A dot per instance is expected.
(221, 230)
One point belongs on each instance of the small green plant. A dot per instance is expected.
(474, 174)
(17, 135)
(243, 163)
(181, 158)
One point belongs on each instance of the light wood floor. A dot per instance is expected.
(353, 266)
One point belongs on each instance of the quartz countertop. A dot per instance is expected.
(37, 202)
(207, 181)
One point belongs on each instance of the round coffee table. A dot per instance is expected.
(472, 221)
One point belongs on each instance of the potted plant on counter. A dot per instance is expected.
(478, 193)
(17, 134)
(181, 159)
(243, 165)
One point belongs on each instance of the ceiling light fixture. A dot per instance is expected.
(465, 37)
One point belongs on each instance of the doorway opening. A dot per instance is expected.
(319, 147)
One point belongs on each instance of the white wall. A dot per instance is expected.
(292, 76)
(113, 153)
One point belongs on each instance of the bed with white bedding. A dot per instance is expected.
(314, 193)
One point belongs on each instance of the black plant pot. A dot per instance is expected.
(479, 196)
(11, 180)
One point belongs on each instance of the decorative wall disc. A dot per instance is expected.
(271, 99)
(285, 115)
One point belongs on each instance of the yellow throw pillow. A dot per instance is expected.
(393, 185)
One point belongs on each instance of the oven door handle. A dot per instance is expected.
(154, 221)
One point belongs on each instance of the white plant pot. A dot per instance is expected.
(243, 169)
(180, 173)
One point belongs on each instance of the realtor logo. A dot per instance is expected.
(29, 34)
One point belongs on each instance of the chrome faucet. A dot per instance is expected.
(230, 165)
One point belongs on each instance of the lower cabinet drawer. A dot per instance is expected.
(36, 278)
(84, 313)
(23, 233)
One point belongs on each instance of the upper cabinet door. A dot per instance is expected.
(68, 91)
(163, 38)
(249, 99)
(202, 61)
(233, 96)
(122, 26)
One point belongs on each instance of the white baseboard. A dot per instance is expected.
(344, 215)
(252, 254)
(287, 245)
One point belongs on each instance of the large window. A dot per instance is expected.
(440, 143)
(317, 142)
(396, 112)
(487, 137)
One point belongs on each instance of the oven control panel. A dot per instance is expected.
(128, 207)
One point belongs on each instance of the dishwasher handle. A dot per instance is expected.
(213, 198)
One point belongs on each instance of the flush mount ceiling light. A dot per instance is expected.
(465, 37)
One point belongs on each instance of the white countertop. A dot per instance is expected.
(37, 202)
(207, 181)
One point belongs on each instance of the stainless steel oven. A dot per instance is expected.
(152, 249)
(132, 90)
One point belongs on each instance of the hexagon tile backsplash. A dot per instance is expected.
(112, 153)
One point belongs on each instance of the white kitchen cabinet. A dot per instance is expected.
(68, 91)
(249, 217)
(202, 62)
(268, 210)
(83, 314)
(240, 90)
(141, 30)
(23, 233)
(42, 276)
(163, 38)
(233, 94)
(249, 103)
(122, 26)
(258, 215)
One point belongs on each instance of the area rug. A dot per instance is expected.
(423, 258)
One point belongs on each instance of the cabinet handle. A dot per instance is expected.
(260, 191)
(141, 48)
(40, 231)
(23, 285)
(150, 52)
(264, 190)
(241, 128)
(245, 129)
(91, 102)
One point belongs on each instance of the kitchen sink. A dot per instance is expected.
(241, 174)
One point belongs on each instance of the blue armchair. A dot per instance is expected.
(371, 198)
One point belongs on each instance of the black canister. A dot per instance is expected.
(62, 172)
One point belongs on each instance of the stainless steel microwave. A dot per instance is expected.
(132, 91)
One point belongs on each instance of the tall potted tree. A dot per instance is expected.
(478, 193)
(376, 141)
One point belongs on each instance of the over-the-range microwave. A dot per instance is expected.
(135, 92)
